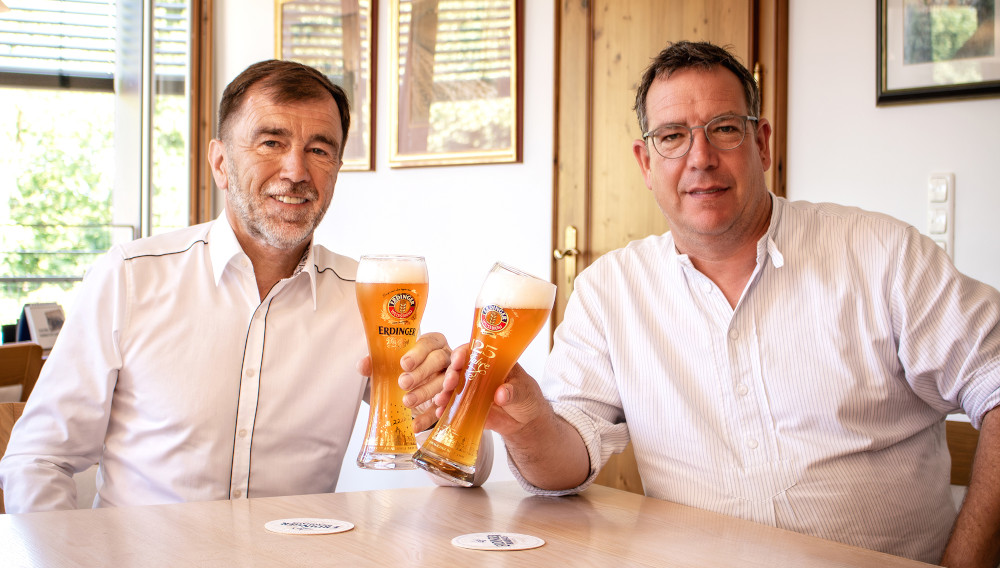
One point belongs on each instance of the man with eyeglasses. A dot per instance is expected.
(784, 362)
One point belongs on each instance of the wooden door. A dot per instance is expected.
(603, 46)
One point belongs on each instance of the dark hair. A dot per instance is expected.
(284, 82)
(698, 55)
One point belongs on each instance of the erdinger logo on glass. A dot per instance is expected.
(401, 305)
(493, 319)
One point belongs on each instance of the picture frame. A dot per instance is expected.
(456, 82)
(339, 38)
(936, 50)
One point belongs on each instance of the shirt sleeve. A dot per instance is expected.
(580, 382)
(948, 330)
(65, 420)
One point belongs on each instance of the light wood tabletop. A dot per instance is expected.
(414, 527)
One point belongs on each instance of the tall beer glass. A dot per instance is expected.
(392, 292)
(511, 308)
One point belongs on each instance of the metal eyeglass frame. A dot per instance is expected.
(645, 136)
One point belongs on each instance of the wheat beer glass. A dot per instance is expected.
(392, 292)
(511, 308)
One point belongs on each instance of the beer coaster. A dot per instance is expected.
(497, 541)
(308, 526)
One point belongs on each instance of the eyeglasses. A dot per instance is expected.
(725, 132)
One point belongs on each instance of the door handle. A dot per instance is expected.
(568, 255)
(561, 254)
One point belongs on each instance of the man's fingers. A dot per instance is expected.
(426, 390)
(456, 371)
(517, 402)
(460, 355)
(426, 345)
(364, 366)
(423, 365)
(425, 419)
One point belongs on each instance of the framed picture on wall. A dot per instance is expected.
(937, 49)
(338, 38)
(455, 96)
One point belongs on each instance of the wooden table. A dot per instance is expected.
(414, 527)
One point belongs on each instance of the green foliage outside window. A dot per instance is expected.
(57, 200)
(62, 202)
(57, 174)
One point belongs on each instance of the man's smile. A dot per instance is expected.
(706, 191)
(289, 199)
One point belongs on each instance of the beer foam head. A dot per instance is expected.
(513, 290)
(402, 269)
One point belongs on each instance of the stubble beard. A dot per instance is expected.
(270, 231)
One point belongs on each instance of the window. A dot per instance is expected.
(95, 135)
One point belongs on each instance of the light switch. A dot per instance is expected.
(941, 210)
(937, 223)
(938, 189)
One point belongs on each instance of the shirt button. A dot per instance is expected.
(708, 287)
(245, 262)
(250, 372)
(752, 444)
(734, 333)
(237, 493)
(242, 433)
(742, 389)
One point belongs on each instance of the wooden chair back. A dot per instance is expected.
(621, 472)
(20, 364)
(962, 442)
(9, 413)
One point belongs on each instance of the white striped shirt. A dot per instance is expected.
(816, 405)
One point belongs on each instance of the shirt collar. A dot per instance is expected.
(225, 248)
(308, 265)
(766, 247)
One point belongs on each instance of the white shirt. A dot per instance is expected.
(816, 405)
(186, 387)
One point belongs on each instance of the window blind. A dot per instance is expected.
(171, 40)
(72, 43)
(58, 43)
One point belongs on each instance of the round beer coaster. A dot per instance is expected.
(308, 526)
(497, 541)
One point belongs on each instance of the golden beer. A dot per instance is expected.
(511, 308)
(392, 292)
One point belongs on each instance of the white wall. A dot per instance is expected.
(842, 148)
(461, 218)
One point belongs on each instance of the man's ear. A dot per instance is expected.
(641, 152)
(217, 161)
(763, 141)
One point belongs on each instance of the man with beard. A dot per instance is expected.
(224, 360)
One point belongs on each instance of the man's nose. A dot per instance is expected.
(294, 167)
(702, 152)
